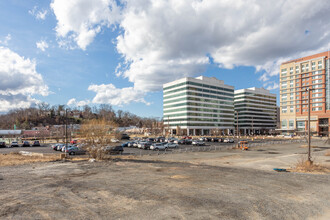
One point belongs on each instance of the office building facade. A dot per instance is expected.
(198, 106)
(296, 76)
(256, 111)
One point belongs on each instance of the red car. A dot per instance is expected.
(187, 137)
(73, 142)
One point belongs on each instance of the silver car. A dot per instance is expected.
(171, 145)
(73, 150)
(158, 146)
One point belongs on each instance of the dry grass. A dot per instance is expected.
(303, 166)
(14, 158)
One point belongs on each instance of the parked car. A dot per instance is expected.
(220, 140)
(158, 146)
(141, 143)
(160, 139)
(130, 144)
(215, 139)
(36, 144)
(125, 144)
(73, 150)
(228, 140)
(14, 144)
(53, 146)
(198, 143)
(144, 145)
(73, 141)
(187, 137)
(188, 141)
(181, 141)
(114, 140)
(125, 137)
(59, 147)
(171, 145)
(2, 144)
(26, 144)
(115, 150)
(150, 139)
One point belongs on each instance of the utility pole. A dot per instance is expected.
(309, 126)
(66, 130)
(252, 127)
(168, 126)
(237, 128)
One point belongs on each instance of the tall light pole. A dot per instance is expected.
(66, 130)
(237, 127)
(309, 125)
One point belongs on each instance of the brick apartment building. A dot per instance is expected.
(295, 77)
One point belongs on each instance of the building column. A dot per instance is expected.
(187, 131)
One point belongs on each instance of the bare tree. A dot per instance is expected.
(96, 135)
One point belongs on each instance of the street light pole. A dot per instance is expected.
(66, 130)
(237, 128)
(309, 126)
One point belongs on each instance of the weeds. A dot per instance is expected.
(305, 166)
(14, 158)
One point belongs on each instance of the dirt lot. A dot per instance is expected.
(213, 185)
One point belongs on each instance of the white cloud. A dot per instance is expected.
(42, 45)
(109, 94)
(161, 41)
(9, 102)
(40, 15)
(81, 20)
(166, 40)
(5, 40)
(19, 80)
(74, 102)
(273, 87)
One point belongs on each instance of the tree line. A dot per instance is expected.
(47, 115)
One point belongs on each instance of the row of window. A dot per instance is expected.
(253, 106)
(303, 110)
(200, 85)
(205, 125)
(255, 102)
(199, 105)
(199, 115)
(199, 110)
(198, 100)
(199, 119)
(249, 94)
(198, 94)
(304, 67)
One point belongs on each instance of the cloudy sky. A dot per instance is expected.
(120, 52)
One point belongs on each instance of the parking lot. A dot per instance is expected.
(209, 146)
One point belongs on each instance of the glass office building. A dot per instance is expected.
(198, 106)
(257, 111)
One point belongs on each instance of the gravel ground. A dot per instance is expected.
(147, 189)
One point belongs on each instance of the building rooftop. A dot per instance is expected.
(255, 90)
(323, 54)
(200, 79)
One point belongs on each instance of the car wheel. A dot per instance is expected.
(72, 153)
